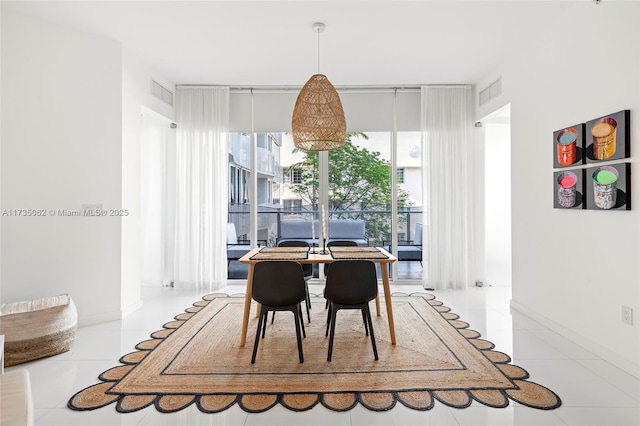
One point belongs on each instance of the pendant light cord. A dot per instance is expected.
(318, 50)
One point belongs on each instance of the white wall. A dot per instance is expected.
(71, 136)
(567, 75)
(61, 148)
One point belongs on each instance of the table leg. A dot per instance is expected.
(247, 306)
(387, 301)
(378, 298)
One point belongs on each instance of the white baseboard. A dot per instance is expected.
(89, 320)
(591, 345)
(131, 308)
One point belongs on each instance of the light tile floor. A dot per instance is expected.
(594, 392)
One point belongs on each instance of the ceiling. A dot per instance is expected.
(271, 43)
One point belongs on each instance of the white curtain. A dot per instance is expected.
(447, 170)
(201, 187)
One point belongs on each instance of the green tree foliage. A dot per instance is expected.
(359, 187)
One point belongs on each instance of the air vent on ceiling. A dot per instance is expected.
(161, 92)
(491, 91)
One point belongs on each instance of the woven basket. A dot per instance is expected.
(38, 328)
(318, 122)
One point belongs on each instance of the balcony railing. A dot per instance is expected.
(269, 220)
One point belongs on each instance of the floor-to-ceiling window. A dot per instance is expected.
(376, 177)
(409, 206)
(239, 172)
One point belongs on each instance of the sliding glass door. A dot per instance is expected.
(376, 177)
(358, 182)
(409, 220)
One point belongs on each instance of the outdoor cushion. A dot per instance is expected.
(346, 229)
(339, 229)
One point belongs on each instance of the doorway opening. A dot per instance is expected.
(497, 158)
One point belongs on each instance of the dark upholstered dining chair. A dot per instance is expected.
(278, 286)
(338, 243)
(352, 284)
(307, 269)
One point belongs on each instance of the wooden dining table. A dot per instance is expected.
(377, 255)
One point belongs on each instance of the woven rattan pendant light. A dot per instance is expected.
(318, 122)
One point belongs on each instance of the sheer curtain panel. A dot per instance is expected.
(447, 170)
(201, 190)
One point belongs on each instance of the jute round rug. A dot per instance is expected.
(197, 359)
